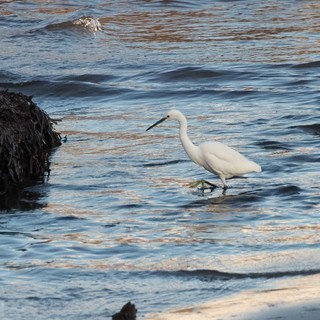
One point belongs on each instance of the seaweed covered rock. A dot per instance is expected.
(26, 138)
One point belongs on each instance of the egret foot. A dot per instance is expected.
(203, 185)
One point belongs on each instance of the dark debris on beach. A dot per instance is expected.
(127, 312)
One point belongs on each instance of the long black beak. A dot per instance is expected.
(161, 120)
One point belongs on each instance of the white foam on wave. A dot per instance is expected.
(89, 23)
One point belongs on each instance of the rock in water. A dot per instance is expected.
(26, 139)
(128, 312)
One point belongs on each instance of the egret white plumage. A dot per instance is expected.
(215, 157)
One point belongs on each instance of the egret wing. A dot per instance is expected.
(223, 160)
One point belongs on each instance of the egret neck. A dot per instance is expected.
(187, 144)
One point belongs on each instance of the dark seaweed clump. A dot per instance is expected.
(26, 139)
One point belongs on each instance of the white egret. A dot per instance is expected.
(215, 157)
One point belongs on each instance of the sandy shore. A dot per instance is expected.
(294, 299)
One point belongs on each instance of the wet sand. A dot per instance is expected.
(292, 299)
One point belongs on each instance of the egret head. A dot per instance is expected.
(171, 115)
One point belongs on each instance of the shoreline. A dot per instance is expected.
(288, 299)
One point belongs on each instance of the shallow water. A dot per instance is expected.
(116, 220)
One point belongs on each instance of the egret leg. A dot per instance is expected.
(212, 185)
(225, 186)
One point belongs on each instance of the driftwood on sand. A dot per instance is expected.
(26, 139)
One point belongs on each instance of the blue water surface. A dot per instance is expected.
(116, 220)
